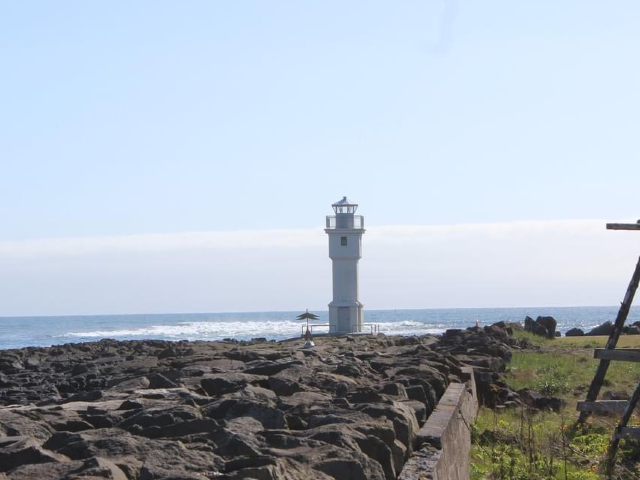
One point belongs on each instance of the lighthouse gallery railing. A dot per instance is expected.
(344, 222)
(373, 327)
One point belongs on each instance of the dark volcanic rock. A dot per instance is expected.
(94, 467)
(549, 323)
(605, 329)
(25, 451)
(271, 368)
(290, 380)
(264, 412)
(574, 332)
(157, 380)
(633, 330)
(535, 400)
(543, 326)
(149, 409)
(220, 384)
(89, 396)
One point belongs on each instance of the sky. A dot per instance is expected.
(162, 156)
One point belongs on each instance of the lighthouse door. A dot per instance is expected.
(344, 324)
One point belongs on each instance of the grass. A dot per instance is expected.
(555, 373)
(625, 341)
(599, 341)
(521, 445)
(518, 444)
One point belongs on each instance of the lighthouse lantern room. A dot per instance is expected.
(345, 231)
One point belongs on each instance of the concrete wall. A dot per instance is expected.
(443, 445)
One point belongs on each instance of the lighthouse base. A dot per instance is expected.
(345, 317)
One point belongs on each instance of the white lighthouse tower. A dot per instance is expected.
(345, 231)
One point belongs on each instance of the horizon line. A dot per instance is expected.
(295, 311)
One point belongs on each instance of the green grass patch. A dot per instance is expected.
(563, 343)
(518, 444)
(532, 338)
(625, 341)
(564, 374)
(549, 373)
(522, 445)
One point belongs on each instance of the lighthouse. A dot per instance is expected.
(345, 230)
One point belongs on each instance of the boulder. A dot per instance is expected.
(436, 379)
(615, 395)
(272, 468)
(157, 380)
(271, 368)
(489, 392)
(94, 468)
(264, 412)
(485, 361)
(574, 332)
(289, 381)
(402, 416)
(26, 451)
(130, 384)
(416, 392)
(34, 425)
(496, 331)
(395, 389)
(549, 323)
(220, 384)
(605, 329)
(347, 438)
(130, 405)
(90, 396)
(137, 457)
(535, 400)
(352, 468)
(181, 429)
(530, 325)
(365, 395)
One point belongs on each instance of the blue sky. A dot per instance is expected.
(156, 116)
(160, 117)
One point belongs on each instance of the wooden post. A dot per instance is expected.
(596, 383)
(613, 446)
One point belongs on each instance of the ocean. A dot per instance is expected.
(18, 332)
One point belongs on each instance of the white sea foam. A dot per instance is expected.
(203, 330)
(246, 329)
(19, 332)
(411, 327)
(407, 323)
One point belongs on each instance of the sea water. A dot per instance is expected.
(18, 332)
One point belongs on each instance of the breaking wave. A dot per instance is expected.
(242, 330)
(200, 330)
(18, 332)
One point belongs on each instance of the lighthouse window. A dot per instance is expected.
(343, 241)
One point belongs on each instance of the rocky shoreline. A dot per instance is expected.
(349, 408)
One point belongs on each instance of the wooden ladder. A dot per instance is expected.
(606, 355)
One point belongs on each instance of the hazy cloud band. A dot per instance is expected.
(524, 263)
